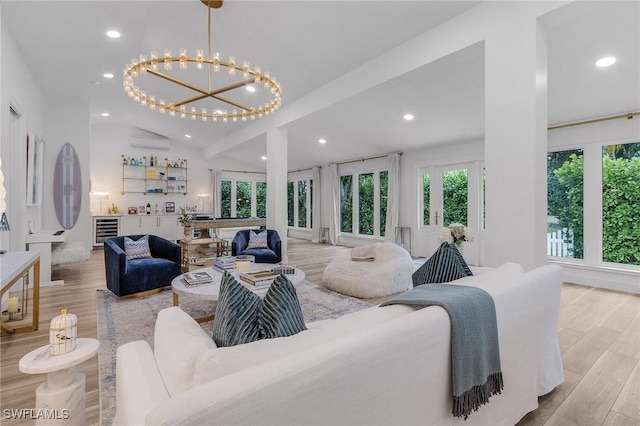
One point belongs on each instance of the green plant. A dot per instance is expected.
(185, 218)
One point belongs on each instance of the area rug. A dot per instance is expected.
(125, 320)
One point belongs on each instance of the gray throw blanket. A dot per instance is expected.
(475, 353)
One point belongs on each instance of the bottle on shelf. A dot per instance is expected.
(148, 208)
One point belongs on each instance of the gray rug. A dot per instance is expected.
(125, 320)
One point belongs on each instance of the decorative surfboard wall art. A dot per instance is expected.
(67, 187)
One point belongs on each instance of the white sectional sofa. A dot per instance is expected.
(380, 366)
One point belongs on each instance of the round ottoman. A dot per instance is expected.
(389, 273)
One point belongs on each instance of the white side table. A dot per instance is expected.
(63, 394)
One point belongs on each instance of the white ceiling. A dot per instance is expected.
(306, 44)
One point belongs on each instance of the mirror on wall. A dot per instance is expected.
(35, 153)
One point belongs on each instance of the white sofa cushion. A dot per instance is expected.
(144, 390)
(215, 363)
(178, 340)
(491, 276)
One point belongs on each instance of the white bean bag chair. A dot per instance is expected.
(389, 273)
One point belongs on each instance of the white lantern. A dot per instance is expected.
(62, 333)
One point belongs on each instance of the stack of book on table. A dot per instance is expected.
(196, 278)
(225, 263)
(258, 279)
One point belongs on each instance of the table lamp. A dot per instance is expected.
(101, 195)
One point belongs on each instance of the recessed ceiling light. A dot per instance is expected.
(322, 141)
(264, 157)
(219, 111)
(251, 88)
(408, 117)
(188, 136)
(105, 114)
(107, 75)
(113, 34)
(606, 61)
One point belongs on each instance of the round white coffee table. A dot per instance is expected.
(63, 392)
(211, 291)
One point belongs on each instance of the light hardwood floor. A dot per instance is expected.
(599, 337)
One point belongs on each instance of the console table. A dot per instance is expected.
(15, 265)
(42, 241)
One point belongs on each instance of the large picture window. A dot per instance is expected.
(364, 205)
(565, 204)
(300, 203)
(621, 203)
(261, 199)
(242, 198)
(225, 197)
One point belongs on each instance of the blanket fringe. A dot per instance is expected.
(477, 396)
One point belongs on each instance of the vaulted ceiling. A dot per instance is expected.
(307, 44)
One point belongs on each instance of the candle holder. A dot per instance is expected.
(12, 316)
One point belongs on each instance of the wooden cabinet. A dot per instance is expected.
(165, 226)
(140, 177)
(105, 227)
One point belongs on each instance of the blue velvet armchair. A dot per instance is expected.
(126, 277)
(272, 254)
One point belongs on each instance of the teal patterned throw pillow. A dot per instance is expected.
(445, 265)
(236, 318)
(280, 314)
(242, 317)
(137, 249)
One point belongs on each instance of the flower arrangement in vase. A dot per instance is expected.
(185, 219)
(456, 233)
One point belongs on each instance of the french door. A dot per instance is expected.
(448, 195)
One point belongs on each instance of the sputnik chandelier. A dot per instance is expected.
(214, 68)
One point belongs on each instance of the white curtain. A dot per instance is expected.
(393, 198)
(214, 193)
(334, 216)
(315, 231)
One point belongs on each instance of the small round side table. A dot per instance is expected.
(63, 394)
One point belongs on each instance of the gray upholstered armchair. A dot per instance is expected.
(126, 277)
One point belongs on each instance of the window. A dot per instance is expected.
(384, 193)
(455, 196)
(311, 202)
(261, 199)
(225, 195)
(565, 204)
(302, 204)
(346, 203)
(364, 207)
(426, 189)
(243, 199)
(621, 203)
(290, 204)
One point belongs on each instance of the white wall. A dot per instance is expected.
(109, 142)
(20, 90)
(68, 124)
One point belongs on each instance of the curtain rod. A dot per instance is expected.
(242, 171)
(628, 116)
(375, 157)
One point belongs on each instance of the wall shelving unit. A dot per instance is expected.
(140, 177)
